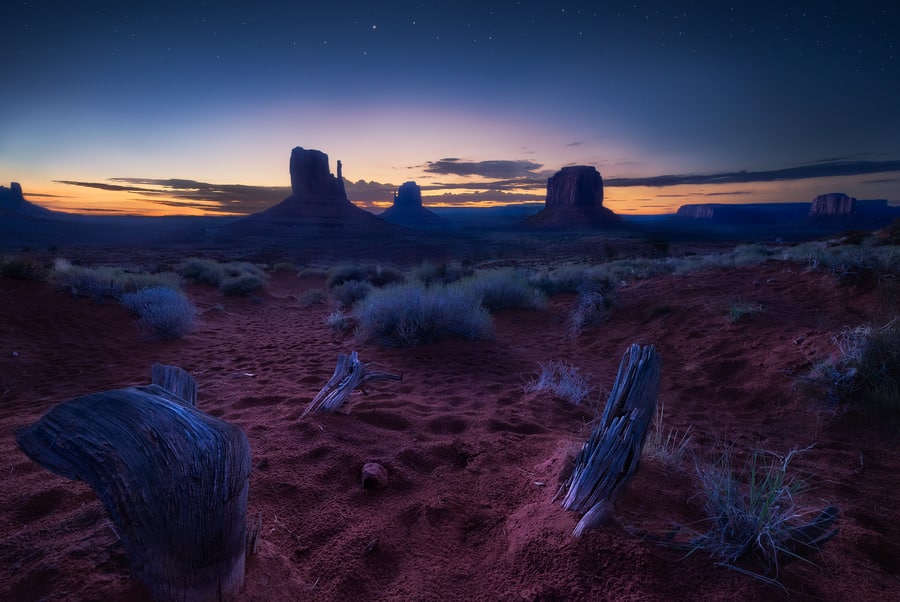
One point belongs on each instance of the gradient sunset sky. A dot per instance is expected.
(194, 107)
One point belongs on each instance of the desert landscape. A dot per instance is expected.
(474, 448)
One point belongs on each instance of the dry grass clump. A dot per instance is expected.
(865, 374)
(563, 380)
(163, 312)
(409, 314)
(339, 321)
(755, 521)
(594, 301)
(667, 445)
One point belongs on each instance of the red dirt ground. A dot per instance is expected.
(473, 461)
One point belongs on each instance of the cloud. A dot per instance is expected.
(575, 144)
(823, 170)
(212, 198)
(498, 169)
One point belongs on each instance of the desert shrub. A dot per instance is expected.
(23, 267)
(667, 445)
(202, 271)
(241, 268)
(403, 315)
(741, 309)
(313, 296)
(569, 279)
(865, 374)
(442, 273)
(338, 320)
(385, 275)
(753, 513)
(562, 380)
(501, 289)
(312, 272)
(163, 312)
(378, 276)
(594, 301)
(340, 274)
(349, 292)
(284, 266)
(242, 284)
(104, 282)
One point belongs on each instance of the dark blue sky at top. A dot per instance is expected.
(725, 86)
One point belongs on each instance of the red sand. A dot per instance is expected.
(473, 461)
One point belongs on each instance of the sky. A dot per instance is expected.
(193, 107)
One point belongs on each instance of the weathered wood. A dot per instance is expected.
(176, 381)
(173, 479)
(611, 455)
(349, 374)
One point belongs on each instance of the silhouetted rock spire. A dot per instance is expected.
(318, 203)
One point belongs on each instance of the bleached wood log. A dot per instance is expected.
(349, 374)
(173, 479)
(611, 455)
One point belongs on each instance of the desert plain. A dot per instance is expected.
(474, 456)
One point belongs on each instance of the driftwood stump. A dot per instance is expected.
(349, 374)
(611, 455)
(173, 479)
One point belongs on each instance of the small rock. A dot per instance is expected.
(374, 476)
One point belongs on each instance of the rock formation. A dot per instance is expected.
(318, 204)
(12, 202)
(408, 211)
(834, 204)
(574, 198)
(704, 211)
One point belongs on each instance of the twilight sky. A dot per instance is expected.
(193, 107)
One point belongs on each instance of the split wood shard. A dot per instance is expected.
(173, 479)
(349, 374)
(611, 455)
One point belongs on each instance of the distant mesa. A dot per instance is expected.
(574, 198)
(833, 204)
(318, 204)
(13, 203)
(706, 211)
(408, 211)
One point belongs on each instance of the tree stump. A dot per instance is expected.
(173, 479)
(611, 455)
(349, 374)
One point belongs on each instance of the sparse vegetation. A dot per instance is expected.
(350, 292)
(338, 320)
(754, 517)
(377, 276)
(104, 282)
(442, 273)
(667, 445)
(164, 312)
(865, 374)
(592, 305)
(233, 278)
(562, 380)
(23, 267)
(403, 315)
(313, 296)
(500, 289)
